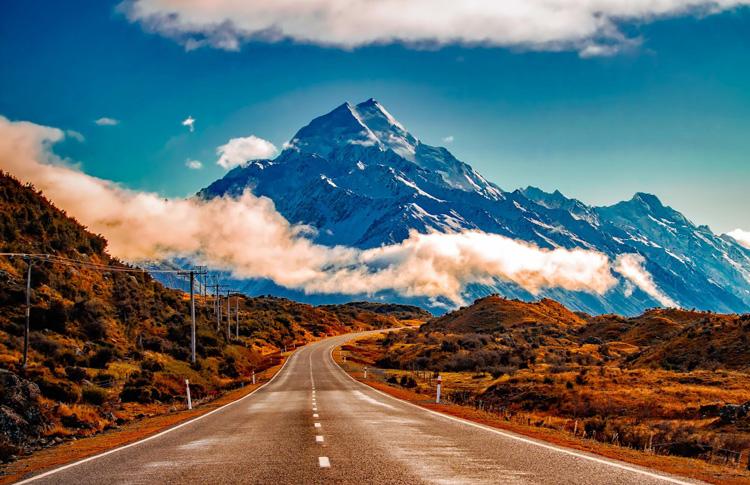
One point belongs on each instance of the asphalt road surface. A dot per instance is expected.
(315, 424)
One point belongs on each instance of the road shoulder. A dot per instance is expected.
(71, 452)
(675, 466)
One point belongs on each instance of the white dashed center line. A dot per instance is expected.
(315, 416)
(324, 462)
(317, 425)
(318, 439)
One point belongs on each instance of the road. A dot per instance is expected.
(315, 424)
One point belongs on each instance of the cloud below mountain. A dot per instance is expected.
(247, 236)
(592, 28)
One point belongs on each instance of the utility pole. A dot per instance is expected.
(218, 309)
(192, 274)
(229, 318)
(28, 315)
(237, 314)
(192, 317)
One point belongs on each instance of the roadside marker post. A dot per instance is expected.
(365, 372)
(253, 376)
(187, 386)
(439, 382)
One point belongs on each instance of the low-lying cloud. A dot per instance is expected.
(594, 28)
(632, 267)
(742, 237)
(247, 236)
(239, 150)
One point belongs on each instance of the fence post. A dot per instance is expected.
(439, 382)
(187, 387)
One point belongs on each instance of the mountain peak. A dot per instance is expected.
(649, 199)
(366, 124)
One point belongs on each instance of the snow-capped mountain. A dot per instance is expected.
(361, 179)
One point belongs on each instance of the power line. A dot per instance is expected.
(89, 265)
(32, 257)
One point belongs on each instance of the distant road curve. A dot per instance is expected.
(315, 424)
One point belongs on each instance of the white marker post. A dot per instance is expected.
(365, 372)
(253, 376)
(187, 386)
(439, 381)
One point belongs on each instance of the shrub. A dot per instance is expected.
(408, 382)
(95, 395)
(152, 365)
(95, 330)
(229, 367)
(101, 358)
(58, 391)
(76, 374)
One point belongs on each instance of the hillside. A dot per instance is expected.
(674, 380)
(490, 314)
(109, 346)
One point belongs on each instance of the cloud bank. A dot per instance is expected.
(742, 237)
(592, 27)
(239, 150)
(260, 243)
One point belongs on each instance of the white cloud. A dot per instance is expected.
(194, 164)
(448, 139)
(190, 123)
(742, 237)
(239, 150)
(105, 121)
(247, 236)
(631, 266)
(593, 27)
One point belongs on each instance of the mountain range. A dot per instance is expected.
(361, 179)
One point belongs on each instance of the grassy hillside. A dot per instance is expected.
(674, 381)
(109, 346)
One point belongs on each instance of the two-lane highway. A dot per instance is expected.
(315, 424)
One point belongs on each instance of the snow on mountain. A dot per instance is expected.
(361, 179)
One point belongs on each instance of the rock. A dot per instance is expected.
(730, 413)
(21, 420)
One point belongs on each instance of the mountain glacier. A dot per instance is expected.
(361, 179)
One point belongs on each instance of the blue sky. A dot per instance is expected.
(670, 116)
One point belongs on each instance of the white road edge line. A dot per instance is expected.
(621, 466)
(157, 435)
(324, 462)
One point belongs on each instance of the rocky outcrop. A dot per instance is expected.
(21, 421)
